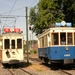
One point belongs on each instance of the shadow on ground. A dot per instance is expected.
(57, 66)
(15, 66)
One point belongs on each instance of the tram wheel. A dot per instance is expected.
(46, 60)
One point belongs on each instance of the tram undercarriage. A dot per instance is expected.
(63, 62)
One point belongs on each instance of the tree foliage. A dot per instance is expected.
(47, 12)
(69, 11)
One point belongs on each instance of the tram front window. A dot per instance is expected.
(63, 42)
(19, 43)
(63, 38)
(6, 43)
(13, 44)
(69, 37)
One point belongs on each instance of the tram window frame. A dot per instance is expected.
(13, 44)
(6, 44)
(39, 43)
(62, 38)
(55, 39)
(42, 41)
(74, 38)
(19, 43)
(45, 41)
(49, 39)
(71, 37)
(1, 44)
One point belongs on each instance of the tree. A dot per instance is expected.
(69, 10)
(47, 12)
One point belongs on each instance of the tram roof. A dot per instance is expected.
(57, 29)
(12, 34)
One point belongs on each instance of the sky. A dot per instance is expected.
(17, 8)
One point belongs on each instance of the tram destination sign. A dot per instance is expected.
(63, 23)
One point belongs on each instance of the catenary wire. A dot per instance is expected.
(11, 9)
(32, 3)
(19, 9)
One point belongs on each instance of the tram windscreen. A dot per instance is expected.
(69, 37)
(6, 43)
(63, 38)
(19, 43)
(13, 44)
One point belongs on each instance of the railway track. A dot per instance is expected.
(24, 71)
(27, 71)
(64, 72)
(60, 70)
(57, 70)
(11, 71)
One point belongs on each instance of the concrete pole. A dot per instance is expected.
(27, 34)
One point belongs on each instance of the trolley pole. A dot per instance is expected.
(27, 34)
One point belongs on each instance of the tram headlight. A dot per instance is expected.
(66, 47)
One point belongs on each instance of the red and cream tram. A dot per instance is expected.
(11, 46)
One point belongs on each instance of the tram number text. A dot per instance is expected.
(66, 54)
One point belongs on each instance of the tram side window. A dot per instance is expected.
(13, 44)
(6, 43)
(1, 44)
(42, 41)
(74, 38)
(69, 36)
(45, 41)
(19, 43)
(55, 40)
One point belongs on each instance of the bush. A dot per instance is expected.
(33, 51)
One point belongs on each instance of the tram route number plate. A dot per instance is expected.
(66, 54)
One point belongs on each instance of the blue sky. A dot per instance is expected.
(16, 7)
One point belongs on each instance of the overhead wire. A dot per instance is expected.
(28, 7)
(33, 3)
(18, 9)
(11, 9)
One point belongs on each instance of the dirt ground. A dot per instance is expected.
(36, 66)
(41, 69)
